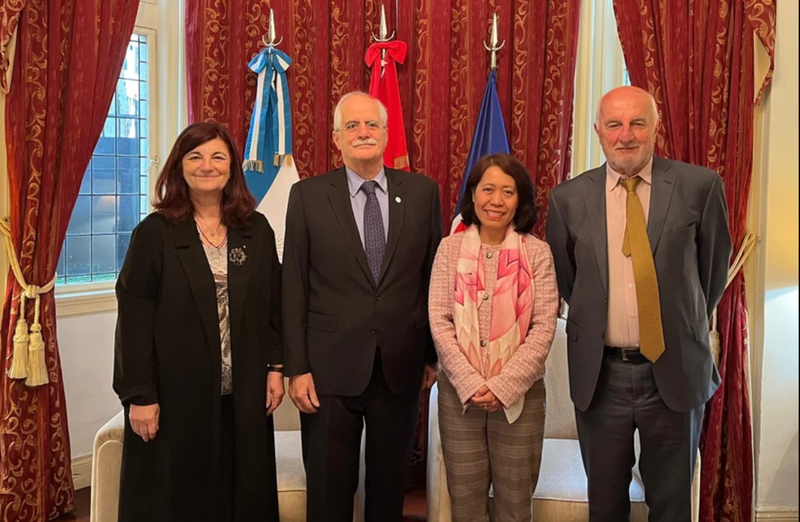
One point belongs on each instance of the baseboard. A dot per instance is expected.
(82, 471)
(777, 516)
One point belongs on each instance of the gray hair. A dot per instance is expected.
(383, 116)
(653, 104)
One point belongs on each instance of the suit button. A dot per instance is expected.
(373, 331)
(483, 342)
(377, 298)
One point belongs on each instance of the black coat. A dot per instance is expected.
(339, 316)
(167, 350)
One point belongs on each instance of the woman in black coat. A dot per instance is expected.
(198, 353)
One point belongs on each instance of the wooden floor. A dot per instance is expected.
(414, 509)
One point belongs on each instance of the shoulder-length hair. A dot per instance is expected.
(527, 212)
(172, 194)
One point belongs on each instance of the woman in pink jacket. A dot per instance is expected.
(493, 305)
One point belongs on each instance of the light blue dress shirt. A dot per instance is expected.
(358, 200)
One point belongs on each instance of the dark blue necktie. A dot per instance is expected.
(374, 238)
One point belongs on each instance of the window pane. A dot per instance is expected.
(128, 216)
(127, 97)
(128, 175)
(79, 255)
(104, 215)
(81, 221)
(103, 254)
(128, 137)
(103, 175)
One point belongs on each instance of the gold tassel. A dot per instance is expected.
(289, 160)
(276, 160)
(19, 364)
(713, 338)
(37, 367)
(713, 341)
(253, 165)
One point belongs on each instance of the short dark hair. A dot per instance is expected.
(527, 212)
(172, 195)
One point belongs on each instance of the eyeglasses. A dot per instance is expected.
(353, 126)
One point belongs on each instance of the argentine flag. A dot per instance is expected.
(268, 165)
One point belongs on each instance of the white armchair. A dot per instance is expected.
(107, 459)
(561, 494)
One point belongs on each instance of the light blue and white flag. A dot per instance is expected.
(268, 166)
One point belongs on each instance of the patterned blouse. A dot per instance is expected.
(218, 261)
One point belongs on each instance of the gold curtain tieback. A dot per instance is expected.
(28, 360)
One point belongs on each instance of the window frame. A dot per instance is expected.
(161, 22)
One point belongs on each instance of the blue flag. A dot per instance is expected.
(489, 138)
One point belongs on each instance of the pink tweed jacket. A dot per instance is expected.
(527, 364)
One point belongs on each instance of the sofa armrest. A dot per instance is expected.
(106, 464)
(438, 495)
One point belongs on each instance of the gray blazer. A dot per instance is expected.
(688, 230)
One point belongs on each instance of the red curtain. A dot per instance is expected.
(441, 82)
(68, 57)
(697, 58)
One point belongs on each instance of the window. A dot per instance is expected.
(114, 195)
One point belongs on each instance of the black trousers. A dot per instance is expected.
(332, 447)
(626, 399)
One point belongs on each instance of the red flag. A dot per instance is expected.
(385, 88)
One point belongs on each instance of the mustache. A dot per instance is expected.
(365, 141)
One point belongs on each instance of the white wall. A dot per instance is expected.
(87, 353)
(775, 339)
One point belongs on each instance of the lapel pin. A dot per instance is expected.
(398, 199)
(237, 256)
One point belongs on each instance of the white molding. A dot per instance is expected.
(777, 516)
(82, 472)
(85, 303)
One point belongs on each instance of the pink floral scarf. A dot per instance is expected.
(512, 301)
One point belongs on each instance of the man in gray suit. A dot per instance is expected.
(641, 248)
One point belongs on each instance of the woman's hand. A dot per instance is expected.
(144, 420)
(275, 391)
(486, 400)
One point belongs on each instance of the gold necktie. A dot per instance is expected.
(636, 245)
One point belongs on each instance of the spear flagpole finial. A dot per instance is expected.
(494, 39)
(383, 31)
(272, 33)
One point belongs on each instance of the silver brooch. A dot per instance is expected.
(237, 256)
